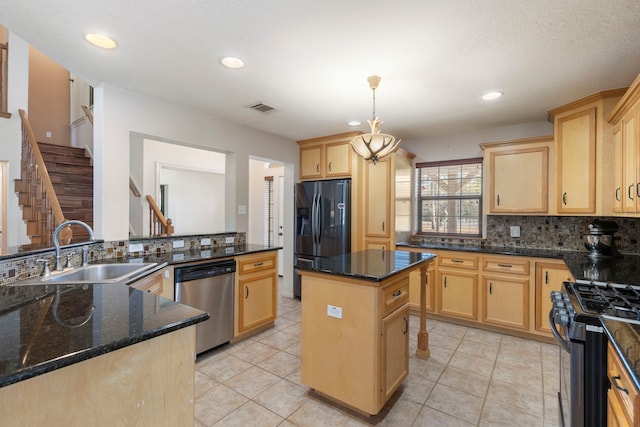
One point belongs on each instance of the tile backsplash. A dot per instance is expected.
(545, 232)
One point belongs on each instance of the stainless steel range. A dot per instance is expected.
(575, 322)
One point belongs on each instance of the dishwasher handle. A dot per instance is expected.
(202, 271)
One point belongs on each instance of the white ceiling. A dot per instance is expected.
(310, 58)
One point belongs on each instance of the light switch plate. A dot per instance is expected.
(514, 231)
(229, 240)
(333, 311)
(242, 209)
(136, 247)
(177, 244)
(205, 242)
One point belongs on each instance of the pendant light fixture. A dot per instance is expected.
(374, 145)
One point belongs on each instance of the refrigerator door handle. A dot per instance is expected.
(314, 227)
(319, 218)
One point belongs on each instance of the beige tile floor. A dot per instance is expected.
(473, 378)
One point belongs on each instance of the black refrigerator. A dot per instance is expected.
(323, 222)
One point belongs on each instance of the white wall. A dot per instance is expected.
(121, 115)
(466, 145)
(257, 172)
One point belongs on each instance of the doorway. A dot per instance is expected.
(3, 206)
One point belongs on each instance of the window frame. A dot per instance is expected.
(419, 199)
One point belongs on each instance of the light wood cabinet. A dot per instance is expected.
(327, 157)
(377, 213)
(584, 155)
(457, 291)
(360, 357)
(395, 350)
(256, 286)
(549, 277)
(516, 174)
(151, 283)
(626, 136)
(622, 398)
(414, 289)
(505, 292)
(383, 244)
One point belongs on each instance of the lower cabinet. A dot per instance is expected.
(414, 288)
(549, 277)
(395, 350)
(505, 301)
(458, 293)
(158, 283)
(623, 401)
(256, 292)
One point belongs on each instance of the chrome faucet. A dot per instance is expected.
(56, 232)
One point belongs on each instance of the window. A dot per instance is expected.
(449, 196)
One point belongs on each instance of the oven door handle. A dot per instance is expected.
(552, 324)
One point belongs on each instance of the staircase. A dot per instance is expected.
(71, 174)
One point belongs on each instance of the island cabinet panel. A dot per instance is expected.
(256, 292)
(414, 288)
(395, 350)
(358, 357)
(150, 383)
(549, 277)
(517, 173)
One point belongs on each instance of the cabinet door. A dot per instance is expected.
(549, 277)
(312, 162)
(384, 244)
(378, 198)
(257, 304)
(576, 156)
(505, 301)
(629, 163)
(338, 159)
(414, 288)
(152, 283)
(618, 170)
(458, 294)
(519, 180)
(615, 414)
(395, 350)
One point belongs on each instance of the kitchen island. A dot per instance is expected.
(95, 354)
(355, 322)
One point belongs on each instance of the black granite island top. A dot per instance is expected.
(47, 327)
(374, 264)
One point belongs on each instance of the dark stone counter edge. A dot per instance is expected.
(366, 276)
(79, 356)
(495, 250)
(632, 373)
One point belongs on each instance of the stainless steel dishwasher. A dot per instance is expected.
(209, 287)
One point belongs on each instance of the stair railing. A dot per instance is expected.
(88, 113)
(158, 224)
(44, 211)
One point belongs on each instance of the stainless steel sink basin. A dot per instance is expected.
(99, 273)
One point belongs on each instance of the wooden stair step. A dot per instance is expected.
(66, 160)
(70, 190)
(75, 180)
(69, 169)
(75, 202)
(65, 150)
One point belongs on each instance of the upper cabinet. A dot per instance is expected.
(516, 175)
(584, 155)
(626, 167)
(327, 157)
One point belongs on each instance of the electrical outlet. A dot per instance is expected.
(333, 311)
(205, 242)
(205, 253)
(178, 256)
(514, 231)
(229, 250)
(229, 240)
(177, 244)
(136, 247)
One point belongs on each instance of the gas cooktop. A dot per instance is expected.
(598, 298)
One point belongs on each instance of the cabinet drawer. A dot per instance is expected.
(506, 265)
(458, 261)
(256, 263)
(394, 295)
(620, 379)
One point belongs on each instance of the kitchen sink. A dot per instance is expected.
(99, 273)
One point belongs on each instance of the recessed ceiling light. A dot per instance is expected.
(354, 123)
(491, 95)
(101, 40)
(231, 62)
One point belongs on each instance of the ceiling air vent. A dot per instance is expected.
(263, 108)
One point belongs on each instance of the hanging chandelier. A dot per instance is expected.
(374, 145)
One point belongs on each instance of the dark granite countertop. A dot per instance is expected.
(496, 250)
(210, 254)
(47, 327)
(373, 265)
